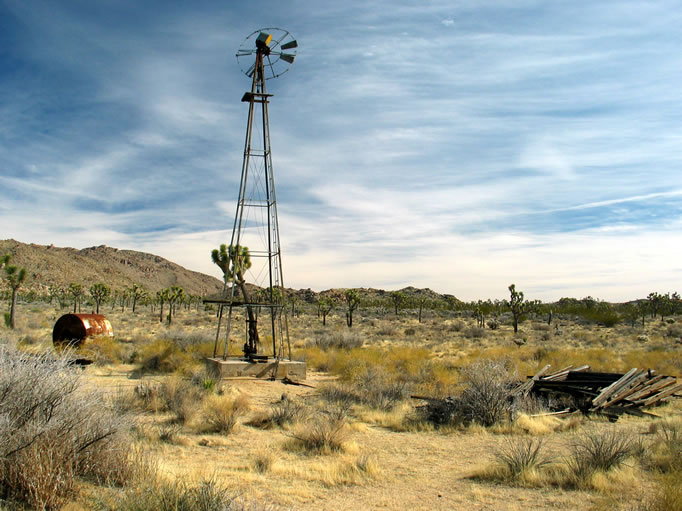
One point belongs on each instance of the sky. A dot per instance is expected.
(456, 145)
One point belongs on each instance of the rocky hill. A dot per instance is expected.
(49, 265)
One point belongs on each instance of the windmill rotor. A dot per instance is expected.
(277, 46)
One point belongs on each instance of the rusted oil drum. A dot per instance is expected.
(73, 329)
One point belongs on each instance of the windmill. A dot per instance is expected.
(265, 54)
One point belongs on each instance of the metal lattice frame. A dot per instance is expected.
(256, 225)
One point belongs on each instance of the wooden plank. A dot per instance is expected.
(642, 388)
(559, 374)
(526, 387)
(625, 391)
(662, 395)
(608, 391)
(644, 394)
(562, 412)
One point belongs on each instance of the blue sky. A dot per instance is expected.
(460, 146)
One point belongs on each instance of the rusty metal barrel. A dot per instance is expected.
(73, 329)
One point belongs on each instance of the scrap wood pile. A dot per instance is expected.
(578, 390)
(606, 393)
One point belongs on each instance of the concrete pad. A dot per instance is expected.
(233, 367)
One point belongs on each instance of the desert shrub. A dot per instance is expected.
(161, 495)
(457, 326)
(283, 412)
(674, 330)
(475, 332)
(667, 495)
(221, 413)
(410, 331)
(51, 432)
(665, 453)
(520, 456)
(344, 340)
(168, 433)
(106, 350)
(485, 399)
(325, 433)
(387, 331)
(148, 395)
(28, 340)
(263, 460)
(184, 339)
(180, 397)
(163, 356)
(202, 377)
(595, 451)
(372, 387)
(493, 324)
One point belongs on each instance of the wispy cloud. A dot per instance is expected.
(456, 146)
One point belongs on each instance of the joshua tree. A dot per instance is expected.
(421, 301)
(221, 257)
(136, 293)
(293, 300)
(76, 290)
(398, 298)
(325, 305)
(352, 302)
(517, 306)
(15, 277)
(57, 293)
(175, 293)
(99, 293)
(162, 296)
(234, 261)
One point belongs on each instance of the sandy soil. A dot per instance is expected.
(421, 470)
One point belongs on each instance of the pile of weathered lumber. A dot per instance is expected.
(572, 390)
(607, 393)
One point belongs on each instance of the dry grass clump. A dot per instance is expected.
(373, 388)
(324, 434)
(598, 451)
(103, 350)
(338, 340)
(51, 432)
(283, 413)
(665, 452)
(543, 424)
(162, 495)
(667, 495)
(162, 356)
(181, 397)
(485, 400)
(263, 460)
(521, 459)
(596, 462)
(344, 470)
(220, 413)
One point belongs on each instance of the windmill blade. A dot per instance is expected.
(289, 45)
(243, 53)
(287, 58)
(251, 70)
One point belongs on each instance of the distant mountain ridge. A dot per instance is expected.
(47, 265)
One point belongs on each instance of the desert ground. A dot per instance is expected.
(255, 438)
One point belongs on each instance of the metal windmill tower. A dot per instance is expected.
(265, 54)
